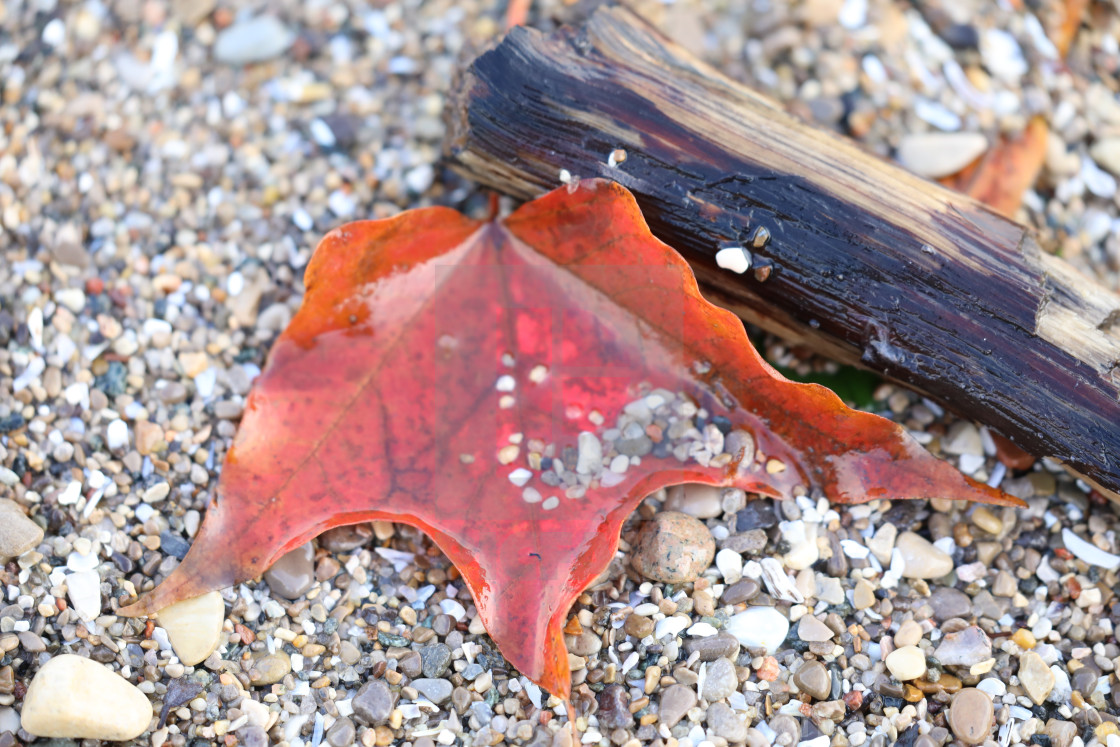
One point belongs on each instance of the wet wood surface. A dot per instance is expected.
(849, 254)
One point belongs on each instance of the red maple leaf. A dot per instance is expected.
(515, 389)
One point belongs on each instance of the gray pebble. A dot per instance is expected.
(948, 602)
(293, 574)
(721, 680)
(675, 702)
(713, 647)
(436, 658)
(373, 703)
(341, 733)
(725, 723)
(435, 690)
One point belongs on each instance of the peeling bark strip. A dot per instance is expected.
(852, 255)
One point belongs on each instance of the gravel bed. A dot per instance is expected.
(166, 169)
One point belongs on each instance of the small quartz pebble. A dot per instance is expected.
(734, 258)
(730, 564)
(18, 534)
(673, 548)
(293, 574)
(1036, 678)
(695, 499)
(921, 558)
(759, 627)
(194, 626)
(675, 702)
(812, 630)
(906, 663)
(970, 715)
(254, 40)
(72, 697)
(966, 648)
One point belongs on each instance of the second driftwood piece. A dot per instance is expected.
(849, 254)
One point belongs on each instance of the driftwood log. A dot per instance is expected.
(853, 256)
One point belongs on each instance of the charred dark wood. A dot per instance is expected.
(851, 255)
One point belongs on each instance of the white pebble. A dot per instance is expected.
(84, 590)
(453, 608)
(1089, 552)
(730, 565)
(116, 435)
(734, 258)
(759, 627)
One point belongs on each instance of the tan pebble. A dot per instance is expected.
(906, 663)
(194, 626)
(1023, 638)
(970, 715)
(18, 534)
(1035, 677)
(864, 595)
(922, 559)
(986, 520)
(909, 633)
(72, 697)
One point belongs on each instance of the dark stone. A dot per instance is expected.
(179, 691)
(961, 36)
(741, 591)
(757, 514)
(436, 658)
(614, 708)
(12, 422)
(714, 647)
(410, 665)
(173, 544)
(113, 381)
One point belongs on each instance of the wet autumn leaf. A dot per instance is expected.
(515, 389)
(1006, 171)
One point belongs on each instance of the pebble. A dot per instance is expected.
(75, 698)
(759, 627)
(293, 574)
(695, 499)
(921, 558)
(435, 690)
(906, 663)
(584, 644)
(812, 678)
(270, 669)
(1106, 152)
(374, 703)
(949, 602)
(673, 548)
(710, 648)
(84, 590)
(726, 723)
(730, 565)
(863, 596)
(812, 630)
(18, 534)
(194, 626)
(1035, 677)
(786, 729)
(970, 715)
(964, 648)
(675, 702)
(909, 634)
(255, 40)
(757, 514)
(740, 591)
(435, 659)
(937, 154)
(614, 708)
(721, 680)
(341, 733)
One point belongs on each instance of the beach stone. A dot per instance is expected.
(757, 514)
(759, 627)
(1035, 676)
(812, 630)
(713, 647)
(813, 678)
(638, 626)
(675, 702)
(345, 539)
(436, 690)
(194, 626)
(411, 665)
(1106, 152)
(76, 698)
(726, 723)
(673, 548)
(584, 644)
(882, 543)
(614, 708)
(721, 680)
(1061, 733)
(922, 559)
(970, 715)
(293, 574)
(740, 591)
(937, 154)
(964, 648)
(18, 534)
(906, 663)
(253, 736)
(863, 596)
(254, 40)
(909, 633)
(695, 499)
(435, 659)
(373, 703)
(949, 602)
(84, 590)
(786, 729)
(9, 721)
(270, 669)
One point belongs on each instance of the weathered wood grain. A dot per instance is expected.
(851, 255)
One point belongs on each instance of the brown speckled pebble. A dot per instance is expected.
(673, 548)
